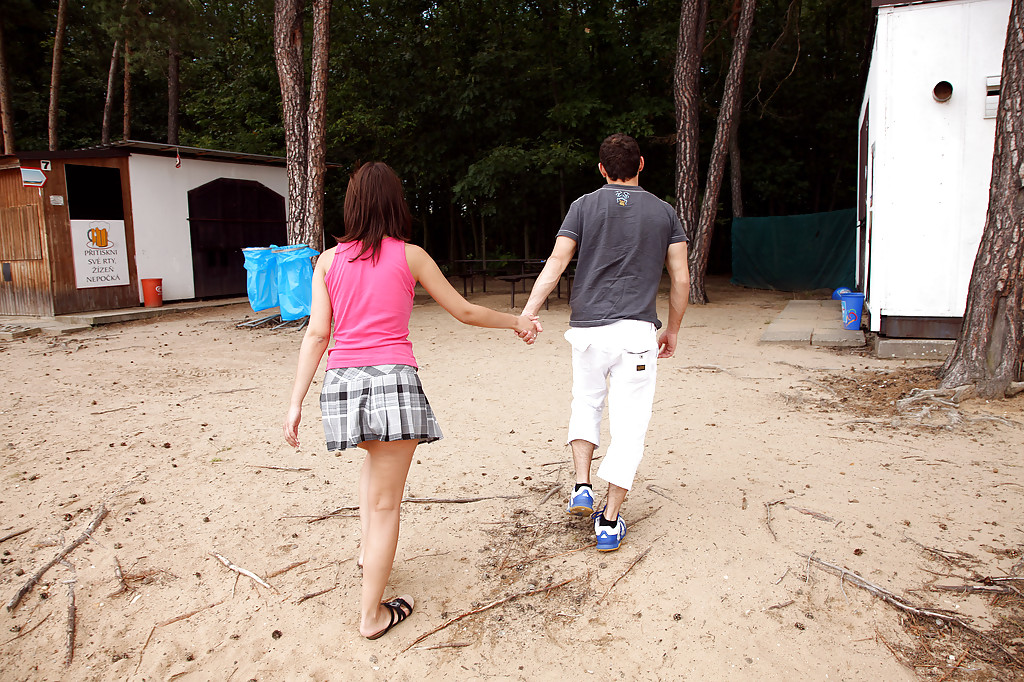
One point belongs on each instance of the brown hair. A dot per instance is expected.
(620, 156)
(375, 208)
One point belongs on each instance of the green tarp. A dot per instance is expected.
(795, 253)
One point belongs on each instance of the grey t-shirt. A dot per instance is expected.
(622, 235)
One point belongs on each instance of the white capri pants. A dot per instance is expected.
(617, 361)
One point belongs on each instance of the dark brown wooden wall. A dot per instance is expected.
(22, 248)
(67, 298)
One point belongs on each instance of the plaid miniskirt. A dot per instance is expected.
(383, 402)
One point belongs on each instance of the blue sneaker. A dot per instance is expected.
(608, 538)
(581, 502)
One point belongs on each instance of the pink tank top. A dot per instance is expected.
(372, 303)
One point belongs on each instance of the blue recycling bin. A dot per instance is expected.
(294, 281)
(261, 277)
(852, 304)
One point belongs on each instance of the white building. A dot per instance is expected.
(927, 129)
(81, 229)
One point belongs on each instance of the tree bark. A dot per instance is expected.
(173, 90)
(686, 92)
(735, 170)
(6, 115)
(291, 76)
(313, 227)
(700, 243)
(989, 350)
(108, 103)
(58, 50)
(126, 131)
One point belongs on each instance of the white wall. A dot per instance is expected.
(163, 245)
(932, 161)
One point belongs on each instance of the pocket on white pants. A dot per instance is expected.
(640, 364)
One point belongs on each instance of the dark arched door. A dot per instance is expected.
(225, 216)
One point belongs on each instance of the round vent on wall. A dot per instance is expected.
(942, 91)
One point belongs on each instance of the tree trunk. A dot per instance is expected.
(126, 132)
(989, 351)
(686, 92)
(313, 227)
(173, 90)
(108, 103)
(6, 115)
(700, 243)
(58, 50)
(290, 73)
(735, 170)
(735, 166)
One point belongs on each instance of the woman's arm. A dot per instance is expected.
(426, 272)
(314, 343)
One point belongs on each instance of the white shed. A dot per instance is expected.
(927, 129)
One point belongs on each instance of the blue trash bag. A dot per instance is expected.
(295, 281)
(261, 277)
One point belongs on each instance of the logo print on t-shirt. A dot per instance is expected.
(622, 198)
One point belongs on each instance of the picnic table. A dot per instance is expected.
(512, 271)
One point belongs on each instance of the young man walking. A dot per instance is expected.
(623, 236)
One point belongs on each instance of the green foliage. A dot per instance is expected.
(488, 109)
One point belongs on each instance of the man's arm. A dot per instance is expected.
(550, 274)
(679, 294)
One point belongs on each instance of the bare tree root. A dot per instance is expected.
(27, 587)
(917, 611)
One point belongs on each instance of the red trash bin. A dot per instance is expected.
(153, 292)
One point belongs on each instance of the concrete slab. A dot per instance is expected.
(71, 324)
(914, 349)
(10, 332)
(789, 323)
(846, 338)
(820, 311)
(800, 336)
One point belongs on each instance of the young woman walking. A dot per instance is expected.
(371, 396)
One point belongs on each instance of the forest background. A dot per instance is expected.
(490, 111)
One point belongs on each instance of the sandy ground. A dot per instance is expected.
(758, 458)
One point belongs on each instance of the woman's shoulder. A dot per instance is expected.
(325, 259)
(411, 248)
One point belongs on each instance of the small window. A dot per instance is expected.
(991, 96)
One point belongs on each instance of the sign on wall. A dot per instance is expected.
(96, 210)
(101, 256)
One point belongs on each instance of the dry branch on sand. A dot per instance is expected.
(27, 587)
(14, 535)
(242, 571)
(69, 646)
(497, 602)
(940, 615)
(169, 621)
(22, 631)
(623, 575)
(412, 500)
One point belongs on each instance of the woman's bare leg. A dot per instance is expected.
(387, 464)
(364, 490)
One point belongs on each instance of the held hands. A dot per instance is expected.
(527, 327)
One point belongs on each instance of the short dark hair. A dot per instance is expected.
(375, 208)
(620, 156)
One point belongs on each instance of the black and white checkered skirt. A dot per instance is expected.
(383, 402)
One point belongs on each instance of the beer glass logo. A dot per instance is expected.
(99, 237)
